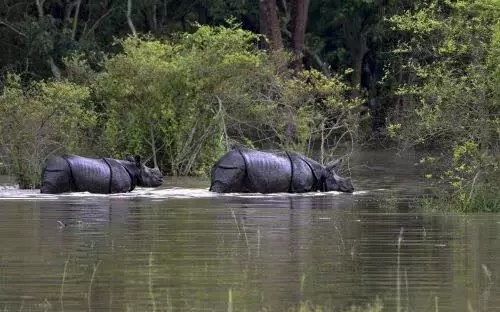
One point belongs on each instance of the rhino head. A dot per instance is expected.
(146, 176)
(333, 182)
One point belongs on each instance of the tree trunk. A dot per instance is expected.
(39, 6)
(357, 67)
(269, 15)
(156, 16)
(150, 13)
(68, 8)
(104, 6)
(129, 18)
(263, 29)
(75, 19)
(54, 68)
(355, 38)
(299, 23)
(50, 60)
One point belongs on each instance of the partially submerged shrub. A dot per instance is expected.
(451, 98)
(39, 121)
(184, 101)
(206, 91)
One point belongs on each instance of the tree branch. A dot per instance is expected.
(17, 31)
(223, 122)
(325, 68)
(153, 148)
(99, 20)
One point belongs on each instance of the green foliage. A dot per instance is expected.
(192, 95)
(205, 91)
(484, 198)
(172, 87)
(39, 121)
(453, 90)
(450, 69)
(318, 106)
(188, 99)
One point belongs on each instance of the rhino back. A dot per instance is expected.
(89, 174)
(267, 172)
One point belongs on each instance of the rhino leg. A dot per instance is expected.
(121, 180)
(56, 177)
(303, 178)
(228, 173)
(219, 187)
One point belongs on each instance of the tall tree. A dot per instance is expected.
(299, 13)
(269, 23)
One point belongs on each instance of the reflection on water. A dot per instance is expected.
(184, 248)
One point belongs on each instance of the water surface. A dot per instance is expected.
(182, 248)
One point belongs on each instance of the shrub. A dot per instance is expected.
(38, 121)
(452, 87)
(192, 98)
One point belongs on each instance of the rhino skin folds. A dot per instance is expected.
(250, 171)
(72, 173)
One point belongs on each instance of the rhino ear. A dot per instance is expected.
(137, 160)
(129, 158)
(334, 165)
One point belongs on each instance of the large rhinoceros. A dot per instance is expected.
(72, 173)
(250, 171)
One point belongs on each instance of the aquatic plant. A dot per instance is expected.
(486, 198)
(308, 306)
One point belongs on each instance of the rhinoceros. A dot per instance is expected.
(72, 173)
(251, 171)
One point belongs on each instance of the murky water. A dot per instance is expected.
(181, 248)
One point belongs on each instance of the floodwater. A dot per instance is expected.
(182, 248)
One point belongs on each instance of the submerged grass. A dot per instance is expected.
(483, 199)
(304, 306)
(231, 305)
(89, 297)
(150, 281)
(307, 306)
(62, 283)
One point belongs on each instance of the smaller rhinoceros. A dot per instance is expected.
(72, 173)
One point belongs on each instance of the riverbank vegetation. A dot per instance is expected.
(183, 83)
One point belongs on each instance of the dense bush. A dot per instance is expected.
(39, 121)
(183, 102)
(452, 96)
(201, 93)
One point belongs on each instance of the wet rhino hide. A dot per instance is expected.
(245, 170)
(72, 173)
